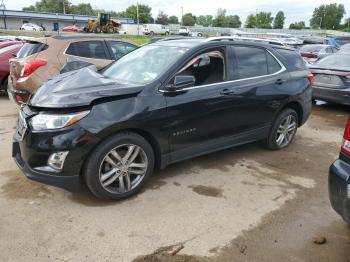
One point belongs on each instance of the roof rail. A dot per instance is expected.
(239, 38)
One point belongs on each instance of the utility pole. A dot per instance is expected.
(182, 15)
(138, 20)
(3, 8)
(64, 8)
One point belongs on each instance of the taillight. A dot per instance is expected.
(29, 67)
(19, 99)
(345, 148)
(311, 78)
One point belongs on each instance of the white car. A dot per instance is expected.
(184, 31)
(31, 27)
(155, 29)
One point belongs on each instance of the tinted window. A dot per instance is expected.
(89, 49)
(251, 61)
(120, 49)
(31, 48)
(311, 48)
(334, 50)
(293, 58)
(272, 65)
(329, 50)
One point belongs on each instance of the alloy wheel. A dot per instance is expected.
(123, 168)
(286, 131)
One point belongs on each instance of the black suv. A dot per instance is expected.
(162, 103)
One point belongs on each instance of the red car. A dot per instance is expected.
(6, 52)
(72, 29)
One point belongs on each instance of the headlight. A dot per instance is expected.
(54, 121)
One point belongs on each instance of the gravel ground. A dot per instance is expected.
(242, 204)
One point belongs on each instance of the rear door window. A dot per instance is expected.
(31, 48)
(251, 61)
(88, 49)
(120, 49)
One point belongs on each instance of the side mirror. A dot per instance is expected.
(181, 82)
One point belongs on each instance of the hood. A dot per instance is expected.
(79, 88)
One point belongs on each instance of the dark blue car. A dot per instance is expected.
(339, 179)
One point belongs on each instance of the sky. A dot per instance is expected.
(295, 10)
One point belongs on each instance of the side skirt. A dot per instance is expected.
(216, 145)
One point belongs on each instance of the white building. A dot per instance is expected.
(11, 19)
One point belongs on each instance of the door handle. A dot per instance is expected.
(227, 92)
(280, 81)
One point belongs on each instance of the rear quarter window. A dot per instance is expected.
(31, 48)
(293, 59)
(88, 49)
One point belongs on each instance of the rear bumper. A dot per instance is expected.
(341, 96)
(339, 179)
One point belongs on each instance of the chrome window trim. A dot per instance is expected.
(283, 68)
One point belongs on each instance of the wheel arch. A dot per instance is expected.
(151, 140)
(143, 133)
(296, 106)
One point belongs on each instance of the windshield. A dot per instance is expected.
(311, 48)
(145, 64)
(335, 61)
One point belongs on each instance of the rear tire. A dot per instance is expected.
(283, 130)
(4, 86)
(112, 174)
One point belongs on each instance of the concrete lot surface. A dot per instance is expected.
(242, 204)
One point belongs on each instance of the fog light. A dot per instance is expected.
(56, 160)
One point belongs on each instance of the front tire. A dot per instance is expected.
(119, 167)
(283, 130)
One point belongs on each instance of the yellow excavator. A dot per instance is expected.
(104, 24)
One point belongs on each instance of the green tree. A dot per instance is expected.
(188, 20)
(297, 25)
(219, 20)
(82, 9)
(145, 15)
(264, 20)
(233, 21)
(327, 16)
(205, 20)
(52, 6)
(173, 19)
(250, 22)
(162, 18)
(278, 22)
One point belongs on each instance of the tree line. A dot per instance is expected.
(324, 17)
